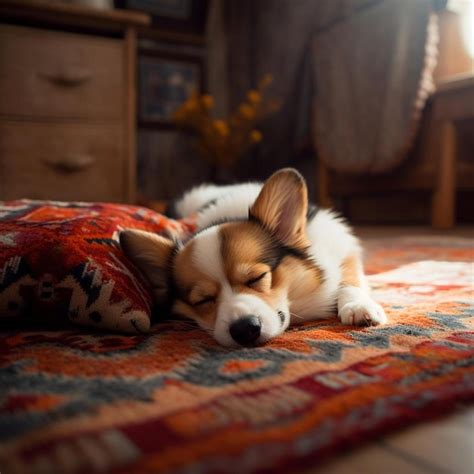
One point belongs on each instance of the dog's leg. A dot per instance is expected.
(354, 304)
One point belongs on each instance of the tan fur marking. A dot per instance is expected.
(351, 270)
(301, 279)
(243, 245)
(203, 289)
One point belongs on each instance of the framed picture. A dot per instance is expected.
(165, 82)
(185, 15)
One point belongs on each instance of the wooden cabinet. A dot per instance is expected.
(67, 102)
(50, 74)
(63, 160)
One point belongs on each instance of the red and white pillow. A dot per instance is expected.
(62, 261)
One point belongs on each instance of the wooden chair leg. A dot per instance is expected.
(324, 198)
(444, 196)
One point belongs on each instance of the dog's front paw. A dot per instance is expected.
(362, 312)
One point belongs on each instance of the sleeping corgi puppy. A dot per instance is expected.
(261, 259)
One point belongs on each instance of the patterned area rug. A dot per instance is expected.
(173, 401)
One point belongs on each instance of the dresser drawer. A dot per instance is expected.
(61, 162)
(60, 75)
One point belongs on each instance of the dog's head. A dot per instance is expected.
(236, 279)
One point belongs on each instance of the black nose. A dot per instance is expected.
(246, 330)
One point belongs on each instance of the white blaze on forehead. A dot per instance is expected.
(207, 255)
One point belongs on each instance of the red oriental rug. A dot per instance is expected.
(174, 401)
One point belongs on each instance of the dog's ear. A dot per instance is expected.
(282, 206)
(152, 255)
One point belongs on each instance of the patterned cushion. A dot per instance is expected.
(62, 261)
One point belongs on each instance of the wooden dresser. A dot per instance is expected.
(67, 102)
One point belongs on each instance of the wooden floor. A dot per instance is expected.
(444, 446)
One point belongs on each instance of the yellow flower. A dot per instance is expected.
(255, 136)
(221, 127)
(191, 103)
(207, 101)
(265, 81)
(246, 111)
(254, 96)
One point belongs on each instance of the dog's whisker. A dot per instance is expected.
(295, 315)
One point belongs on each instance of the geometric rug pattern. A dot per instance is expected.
(173, 400)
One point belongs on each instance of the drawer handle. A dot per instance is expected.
(71, 163)
(68, 78)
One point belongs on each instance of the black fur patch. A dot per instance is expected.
(207, 205)
(312, 211)
(171, 211)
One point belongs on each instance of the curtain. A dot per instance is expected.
(251, 38)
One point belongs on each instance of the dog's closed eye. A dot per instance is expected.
(252, 281)
(204, 300)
